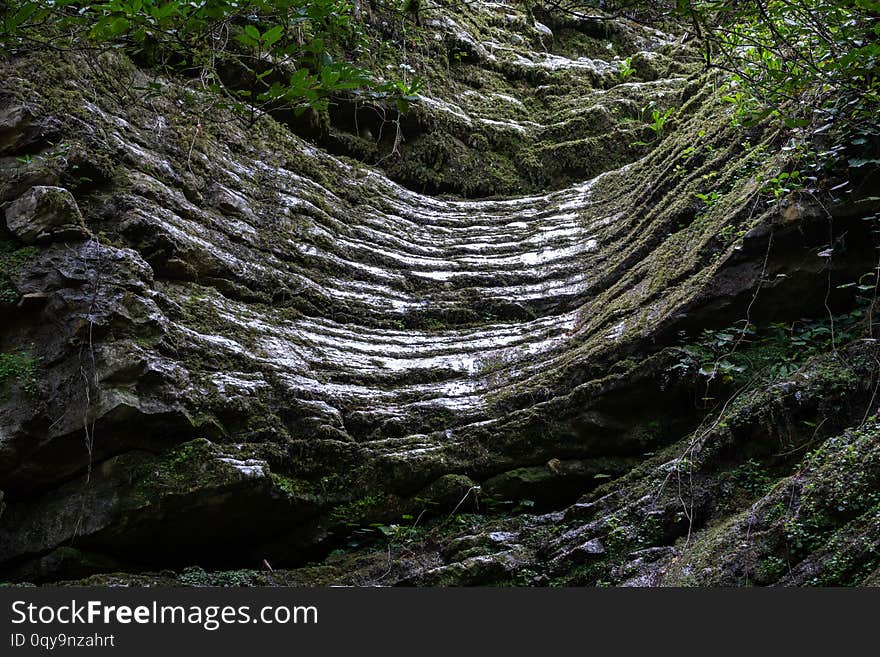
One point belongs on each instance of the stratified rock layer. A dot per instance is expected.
(252, 346)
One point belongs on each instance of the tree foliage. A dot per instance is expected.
(811, 65)
(260, 54)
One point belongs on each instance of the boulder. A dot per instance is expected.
(45, 214)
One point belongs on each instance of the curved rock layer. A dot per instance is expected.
(232, 345)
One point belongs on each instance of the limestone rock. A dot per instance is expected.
(20, 130)
(45, 214)
(284, 347)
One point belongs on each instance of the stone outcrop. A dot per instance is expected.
(227, 343)
(45, 214)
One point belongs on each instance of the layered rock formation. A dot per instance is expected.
(227, 343)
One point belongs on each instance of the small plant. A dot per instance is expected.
(752, 354)
(752, 477)
(658, 119)
(709, 199)
(197, 576)
(626, 70)
(781, 185)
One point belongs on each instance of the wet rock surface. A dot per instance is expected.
(44, 214)
(240, 345)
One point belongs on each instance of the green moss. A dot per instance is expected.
(20, 367)
(744, 483)
(852, 554)
(843, 478)
(13, 257)
(770, 569)
(356, 511)
(188, 467)
(196, 576)
(296, 488)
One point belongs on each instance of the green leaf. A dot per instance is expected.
(166, 10)
(796, 123)
(271, 36)
(25, 11)
(246, 39)
(329, 77)
(118, 26)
